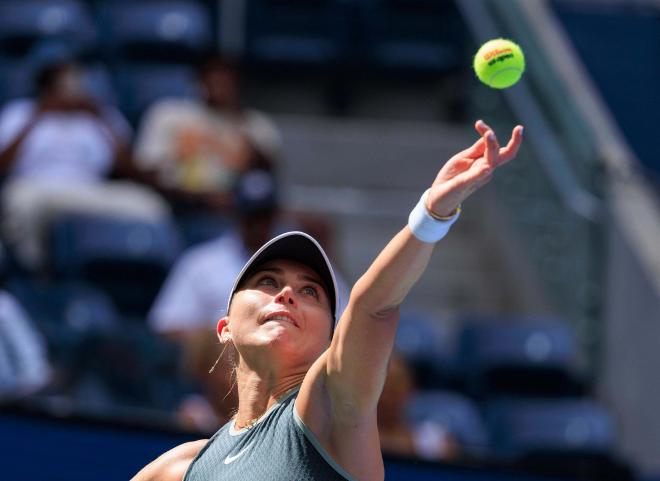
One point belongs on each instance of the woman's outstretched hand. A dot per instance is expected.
(470, 169)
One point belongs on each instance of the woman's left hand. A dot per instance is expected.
(470, 169)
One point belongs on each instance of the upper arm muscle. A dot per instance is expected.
(172, 465)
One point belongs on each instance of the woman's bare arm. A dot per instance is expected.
(357, 359)
(172, 465)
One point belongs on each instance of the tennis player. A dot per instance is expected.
(307, 388)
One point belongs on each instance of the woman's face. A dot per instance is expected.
(282, 306)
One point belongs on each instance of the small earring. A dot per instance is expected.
(215, 364)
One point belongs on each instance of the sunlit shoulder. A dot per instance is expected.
(172, 465)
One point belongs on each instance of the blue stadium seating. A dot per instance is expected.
(98, 83)
(129, 259)
(89, 341)
(140, 85)
(524, 356)
(69, 314)
(201, 227)
(411, 35)
(423, 340)
(24, 23)
(70, 304)
(313, 33)
(456, 413)
(524, 427)
(172, 30)
(16, 80)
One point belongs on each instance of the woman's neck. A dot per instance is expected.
(257, 392)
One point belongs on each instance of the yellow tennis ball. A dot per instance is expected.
(499, 63)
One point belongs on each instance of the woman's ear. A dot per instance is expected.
(224, 335)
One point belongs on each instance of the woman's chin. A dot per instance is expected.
(275, 334)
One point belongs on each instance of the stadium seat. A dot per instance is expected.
(424, 342)
(71, 304)
(24, 23)
(15, 80)
(69, 314)
(297, 32)
(97, 81)
(522, 356)
(201, 227)
(139, 85)
(455, 413)
(411, 35)
(135, 368)
(129, 259)
(89, 340)
(521, 428)
(157, 30)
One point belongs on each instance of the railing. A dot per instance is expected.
(553, 191)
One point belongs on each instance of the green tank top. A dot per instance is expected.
(278, 447)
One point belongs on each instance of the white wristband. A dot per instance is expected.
(424, 226)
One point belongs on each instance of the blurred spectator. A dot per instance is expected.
(56, 152)
(195, 296)
(24, 366)
(397, 435)
(195, 293)
(196, 149)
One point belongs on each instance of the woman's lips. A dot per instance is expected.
(281, 316)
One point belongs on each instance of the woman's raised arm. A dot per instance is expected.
(357, 359)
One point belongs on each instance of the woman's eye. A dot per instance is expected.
(310, 291)
(267, 281)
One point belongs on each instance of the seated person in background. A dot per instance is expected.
(196, 149)
(192, 296)
(192, 299)
(57, 152)
(397, 435)
(24, 366)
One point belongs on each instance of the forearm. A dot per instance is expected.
(366, 332)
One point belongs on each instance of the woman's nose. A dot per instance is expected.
(286, 296)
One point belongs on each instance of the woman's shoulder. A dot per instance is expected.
(172, 465)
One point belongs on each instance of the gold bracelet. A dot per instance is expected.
(444, 218)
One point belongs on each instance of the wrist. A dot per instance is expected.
(427, 226)
(444, 218)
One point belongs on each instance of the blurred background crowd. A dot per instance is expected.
(148, 148)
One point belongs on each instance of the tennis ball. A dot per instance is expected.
(499, 63)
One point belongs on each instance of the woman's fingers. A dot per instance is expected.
(476, 150)
(509, 151)
(474, 167)
(467, 182)
(492, 148)
(481, 127)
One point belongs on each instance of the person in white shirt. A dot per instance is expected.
(195, 149)
(24, 366)
(57, 152)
